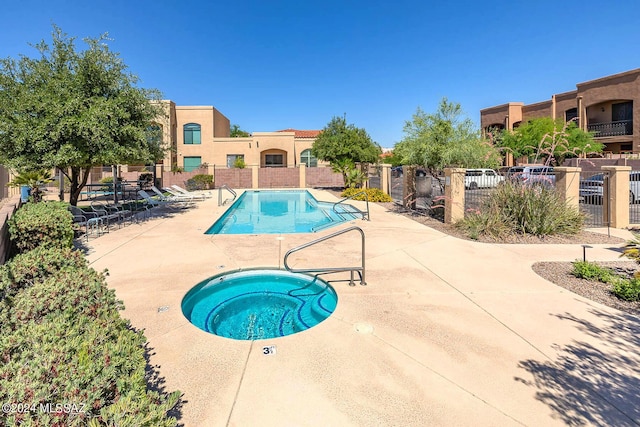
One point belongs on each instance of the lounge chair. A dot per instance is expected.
(163, 203)
(172, 197)
(192, 196)
(202, 194)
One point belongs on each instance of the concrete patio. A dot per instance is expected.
(447, 331)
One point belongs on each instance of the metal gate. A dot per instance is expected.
(594, 192)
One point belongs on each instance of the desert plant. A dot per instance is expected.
(354, 178)
(523, 209)
(35, 224)
(33, 179)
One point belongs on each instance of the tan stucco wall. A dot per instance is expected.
(216, 143)
(590, 98)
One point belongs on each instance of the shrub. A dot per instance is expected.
(96, 364)
(373, 194)
(200, 182)
(35, 224)
(628, 290)
(592, 271)
(525, 209)
(239, 163)
(62, 340)
(35, 266)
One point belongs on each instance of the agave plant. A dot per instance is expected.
(33, 179)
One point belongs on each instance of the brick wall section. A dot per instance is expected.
(279, 177)
(9, 207)
(234, 178)
(323, 177)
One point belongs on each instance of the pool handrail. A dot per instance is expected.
(225, 187)
(360, 269)
(365, 215)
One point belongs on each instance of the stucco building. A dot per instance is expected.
(604, 106)
(200, 135)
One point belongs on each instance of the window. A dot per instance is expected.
(233, 158)
(570, 114)
(307, 159)
(192, 163)
(273, 160)
(192, 133)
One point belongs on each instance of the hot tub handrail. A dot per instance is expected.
(365, 215)
(225, 187)
(360, 269)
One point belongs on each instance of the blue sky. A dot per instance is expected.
(271, 65)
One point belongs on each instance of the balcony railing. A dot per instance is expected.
(622, 127)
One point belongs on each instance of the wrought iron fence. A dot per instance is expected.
(634, 197)
(594, 188)
(429, 194)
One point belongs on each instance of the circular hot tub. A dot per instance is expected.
(259, 303)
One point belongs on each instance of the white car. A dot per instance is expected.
(481, 178)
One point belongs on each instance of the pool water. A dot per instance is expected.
(259, 304)
(274, 212)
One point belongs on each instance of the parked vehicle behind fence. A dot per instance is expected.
(592, 188)
(532, 175)
(481, 178)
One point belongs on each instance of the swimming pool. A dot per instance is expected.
(275, 211)
(259, 303)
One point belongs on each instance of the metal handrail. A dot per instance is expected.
(365, 215)
(225, 187)
(360, 270)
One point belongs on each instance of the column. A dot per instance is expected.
(303, 175)
(385, 178)
(616, 202)
(255, 169)
(568, 184)
(453, 195)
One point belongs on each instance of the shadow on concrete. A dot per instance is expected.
(156, 383)
(595, 382)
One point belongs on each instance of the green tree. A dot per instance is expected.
(445, 138)
(343, 145)
(236, 132)
(73, 110)
(548, 140)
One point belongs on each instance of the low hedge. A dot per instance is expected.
(44, 223)
(62, 340)
(373, 194)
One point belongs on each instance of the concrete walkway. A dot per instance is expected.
(447, 332)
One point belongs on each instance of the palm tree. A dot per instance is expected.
(33, 179)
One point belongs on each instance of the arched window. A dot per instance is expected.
(192, 133)
(306, 158)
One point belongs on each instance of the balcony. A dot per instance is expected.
(622, 127)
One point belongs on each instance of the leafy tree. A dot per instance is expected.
(236, 132)
(343, 145)
(548, 139)
(73, 110)
(445, 138)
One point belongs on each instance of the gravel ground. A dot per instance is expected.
(558, 273)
